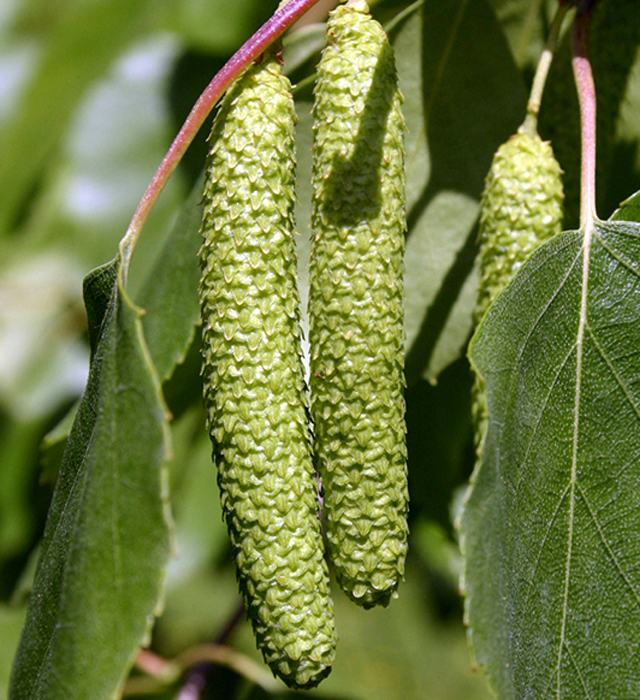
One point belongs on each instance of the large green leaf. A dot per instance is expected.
(106, 542)
(551, 528)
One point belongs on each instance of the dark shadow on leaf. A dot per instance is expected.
(439, 441)
(623, 179)
(463, 128)
(419, 355)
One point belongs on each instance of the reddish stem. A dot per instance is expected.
(153, 665)
(587, 98)
(247, 53)
(200, 674)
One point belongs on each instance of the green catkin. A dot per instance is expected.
(356, 306)
(253, 377)
(521, 208)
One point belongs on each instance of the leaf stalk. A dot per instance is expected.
(271, 30)
(587, 99)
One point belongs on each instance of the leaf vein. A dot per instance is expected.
(621, 383)
(541, 549)
(574, 663)
(584, 296)
(545, 403)
(555, 673)
(607, 546)
(616, 256)
(541, 315)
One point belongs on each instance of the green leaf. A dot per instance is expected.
(629, 210)
(53, 445)
(461, 102)
(106, 542)
(200, 532)
(98, 288)
(551, 528)
(525, 23)
(19, 445)
(201, 588)
(439, 441)
(302, 45)
(218, 25)
(169, 295)
(624, 176)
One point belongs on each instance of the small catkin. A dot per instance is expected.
(254, 378)
(521, 208)
(356, 306)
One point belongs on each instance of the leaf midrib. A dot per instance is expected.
(586, 249)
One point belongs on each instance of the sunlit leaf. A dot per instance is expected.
(551, 528)
(106, 542)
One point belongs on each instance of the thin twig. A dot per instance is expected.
(200, 673)
(246, 54)
(200, 661)
(542, 71)
(156, 666)
(232, 623)
(219, 655)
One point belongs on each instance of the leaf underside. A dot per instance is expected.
(106, 542)
(551, 529)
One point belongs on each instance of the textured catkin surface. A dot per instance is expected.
(356, 306)
(253, 377)
(521, 208)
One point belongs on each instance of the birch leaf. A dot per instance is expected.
(551, 529)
